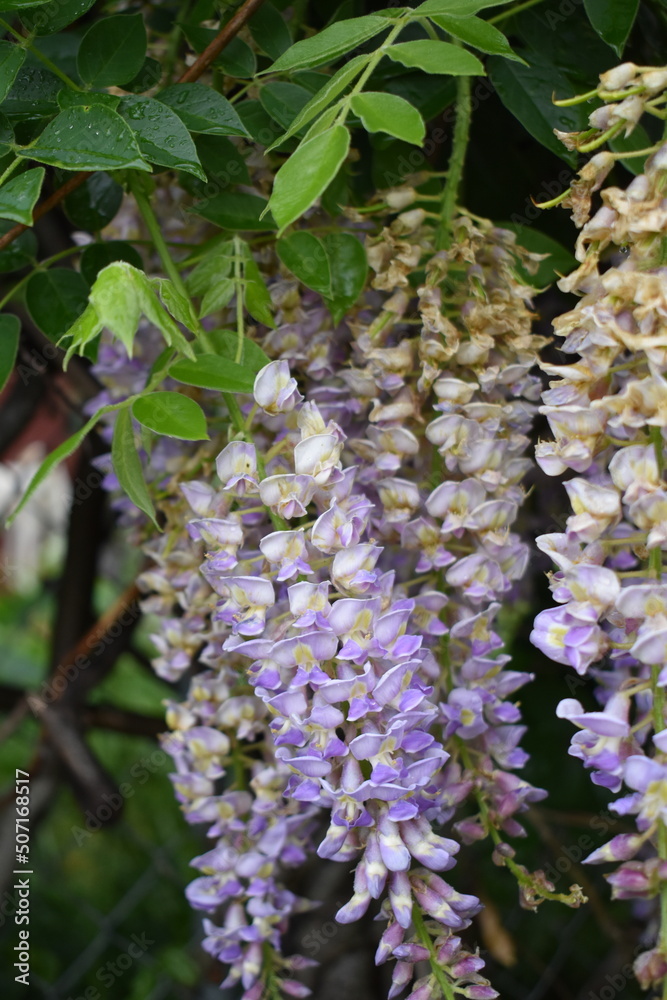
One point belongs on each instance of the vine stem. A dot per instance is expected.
(456, 161)
(515, 10)
(238, 280)
(235, 414)
(153, 227)
(26, 43)
(425, 938)
(11, 168)
(372, 63)
(42, 265)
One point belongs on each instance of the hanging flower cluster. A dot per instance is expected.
(336, 569)
(608, 412)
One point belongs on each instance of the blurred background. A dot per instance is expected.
(109, 849)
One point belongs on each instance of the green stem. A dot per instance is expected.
(522, 877)
(456, 161)
(39, 267)
(513, 11)
(25, 43)
(153, 227)
(655, 436)
(372, 63)
(11, 168)
(426, 940)
(235, 414)
(160, 244)
(238, 281)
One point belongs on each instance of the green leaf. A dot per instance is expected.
(527, 91)
(62, 452)
(61, 48)
(613, 20)
(321, 124)
(236, 211)
(34, 93)
(171, 414)
(117, 300)
(323, 98)
(55, 300)
(74, 98)
(430, 100)
(306, 257)
(95, 203)
(127, 464)
(83, 331)
(112, 50)
(217, 297)
(121, 295)
(463, 8)
(313, 80)
(81, 138)
(148, 76)
(47, 18)
(559, 261)
(223, 164)
(19, 196)
(256, 295)
(390, 114)
(306, 174)
(211, 372)
(436, 57)
(349, 269)
(259, 124)
(284, 101)
(20, 4)
(269, 31)
(10, 332)
(97, 256)
(6, 135)
(225, 343)
(202, 109)
(330, 44)
(175, 303)
(212, 268)
(237, 59)
(478, 33)
(19, 253)
(638, 139)
(161, 135)
(12, 57)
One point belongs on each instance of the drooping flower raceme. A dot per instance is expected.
(336, 568)
(607, 412)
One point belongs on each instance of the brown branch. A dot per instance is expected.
(223, 38)
(71, 185)
(103, 633)
(89, 779)
(199, 66)
(123, 720)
